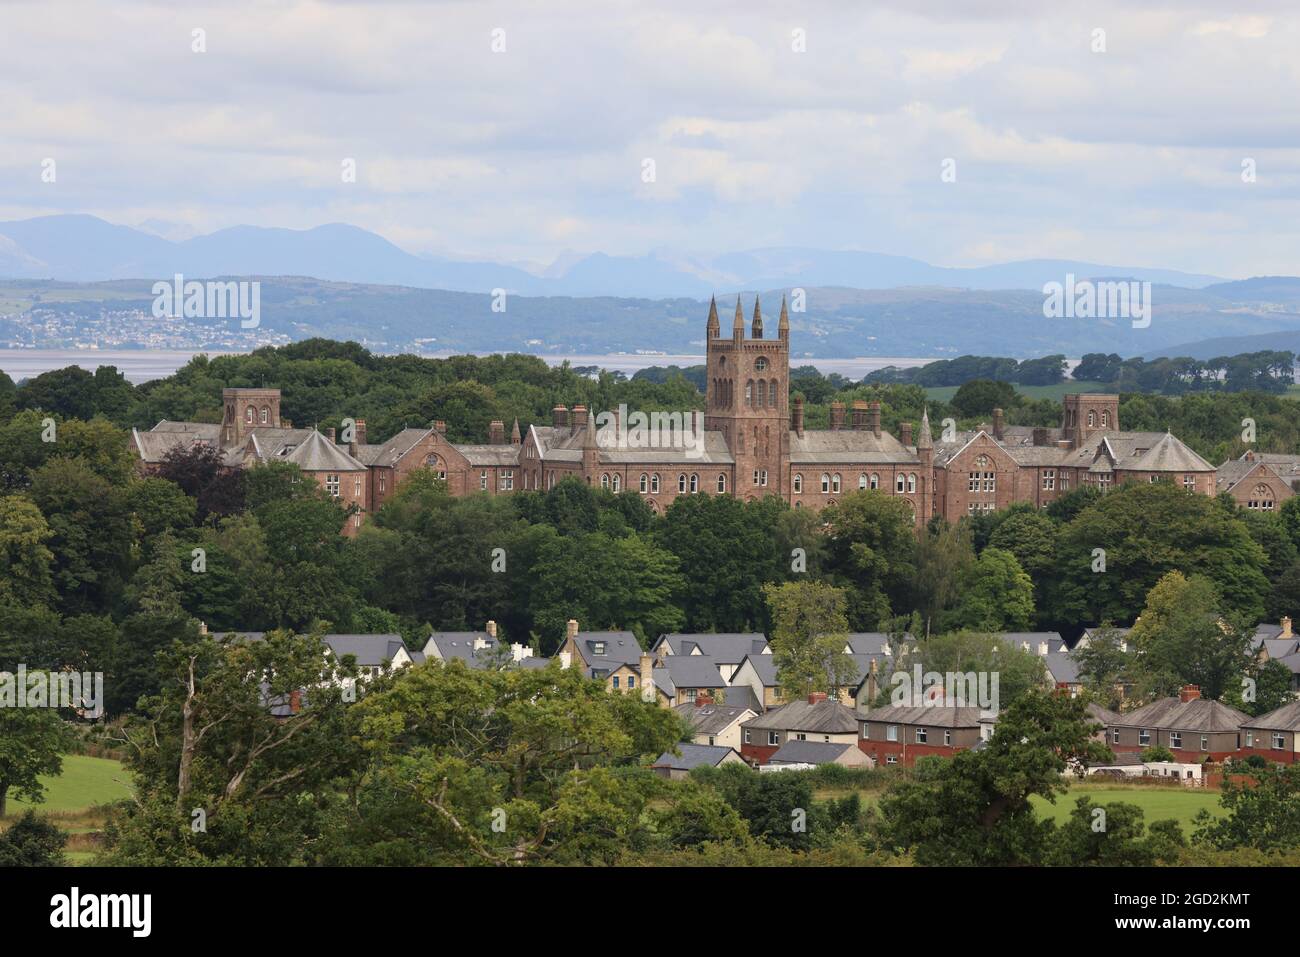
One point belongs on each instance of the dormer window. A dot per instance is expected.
(598, 648)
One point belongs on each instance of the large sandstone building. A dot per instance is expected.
(749, 442)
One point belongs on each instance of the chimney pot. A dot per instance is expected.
(559, 417)
(1189, 693)
(797, 416)
(440, 427)
(816, 697)
(572, 628)
(497, 433)
(1286, 627)
(579, 417)
(859, 415)
(874, 416)
(837, 416)
(905, 432)
(999, 424)
(491, 629)
(330, 434)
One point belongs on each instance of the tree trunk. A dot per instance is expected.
(187, 742)
(4, 797)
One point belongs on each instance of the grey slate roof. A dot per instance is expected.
(935, 716)
(1104, 715)
(688, 671)
(1285, 718)
(709, 718)
(388, 453)
(621, 648)
(824, 717)
(742, 696)
(694, 756)
(1063, 668)
(765, 667)
(490, 456)
(371, 651)
(848, 447)
(319, 454)
(153, 446)
(725, 648)
(1174, 714)
(808, 752)
(565, 445)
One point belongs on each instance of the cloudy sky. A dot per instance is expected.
(1129, 156)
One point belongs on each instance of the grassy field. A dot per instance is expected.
(84, 782)
(1053, 392)
(1157, 803)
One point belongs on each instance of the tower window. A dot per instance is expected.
(798, 483)
(760, 363)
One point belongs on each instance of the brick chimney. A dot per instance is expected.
(440, 427)
(1286, 627)
(999, 424)
(859, 415)
(497, 432)
(837, 416)
(647, 676)
(796, 416)
(203, 626)
(701, 699)
(1040, 435)
(295, 702)
(491, 629)
(330, 434)
(358, 435)
(579, 417)
(874, 417)
(905, 433)
(560, 417)
(571, 629)
(1189, 693)
(816, 696)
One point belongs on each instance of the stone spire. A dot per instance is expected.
(515, 438)
(926, 440)
(783, 326)
(714, 327)
(738, 327)
(589, 439)
(756, 329)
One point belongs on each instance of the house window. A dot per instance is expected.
(762, 478)
(681, 482)
(865, 733)
(911, 481)
(835, 483)
(654, 484)
(1189, 482)
(801, 736)
(798, 483)
(1279, 741)
(1175, 740)
(383, 482)
(356, 486)
(695, 483)
(482, 481)
(604, 480)
(710, 740)
(631, 681)
(332, 485)
(921, 735)
(891, 732)
(1144, 737)
(615, 680)
(862, 481)
(645, 483)
(947, 737)
(755, 478)
(248, 415)
(875, 480)
(760, 364)
(900, 482)
(1049, 479)
(747, 736)
(826, 482)
(618, 483)
(507, 481)
(891, 759)
(1205, 742)
(1114, 735)
(266, 415)
(598, 648)
(772, 738)
(722, 482)
(771, 393)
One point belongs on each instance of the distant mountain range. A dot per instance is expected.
(80, 248)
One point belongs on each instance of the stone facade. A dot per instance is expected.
(749, 442)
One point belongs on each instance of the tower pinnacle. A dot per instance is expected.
(756, 329)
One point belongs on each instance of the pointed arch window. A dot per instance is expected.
(771, 388)
(654, 484)
(695, 483)
(604, 480)
(749, 393)
(722, 482)
(835, 483)
(681, 482)
(617, 482)
(645, 483)
(875, 480)
(862, 480)
(826, 482)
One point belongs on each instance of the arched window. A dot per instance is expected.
(550, 479)
(760, 363)
(862, 480)
(798, 483)
(266, 415)
(875, 480)
(762, 393)
(604, 480)
(1092, 418)
(248, 415)
(899, 482)
(681, 482)
(771, 389)
(749, 393)
(835, 483)
(1105, 419)
(695, 483)
(722, 482)
(911, 482)
(617, 483)
(645, 483)
(826, 482)
(654, 484)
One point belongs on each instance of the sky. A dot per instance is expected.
(970, 134)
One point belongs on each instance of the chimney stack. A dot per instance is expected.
(874, 417)
(330, 434)
(1040, 435)
(816, 696)
(837, 416)
(701, 699)
(497, 432)
(1286, 627)
(905, 433)
(859, 415)
(572, 628)
(440, 427)
(1189, 693)
(647, 677)
(797, 416)
(359, 435)
(579, 417)
(998, 424)
(491, 629)
(560, 417)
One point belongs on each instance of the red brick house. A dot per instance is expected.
(898, 734)
(813, 719)
(1190, 726)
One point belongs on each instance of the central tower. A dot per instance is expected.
(747, 398)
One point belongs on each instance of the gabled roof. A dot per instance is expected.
(824, 717)
(390, 452)
(808, 752)
(319, 454)
(1140, 452)
(1062, 668)
(764, 666)
(848, 447)
(687, 671)
(1104, 715)
(710, 718)
(621, 648)
(565, 445)
(153, 446)
(371, 651)
(725, 648)
(694, 756)
(1174, 714)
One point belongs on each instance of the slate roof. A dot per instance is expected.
(1055, 643)
(694, 756)
(1063, 668)
(765, 667)
(1285, 718)
(153, 446)
(848, 447)
(1174, 714)
(371, 651)
(1101, 451)
(935, 716)
(870, 642)
(687, 671)
(489, 456)
(742, 696)
(1103, 715)
(565, 445)
(319, 454)
(726, 648)
(621, 648)
(709, 718)
(808, 752)
(390, 452)
(824, 717)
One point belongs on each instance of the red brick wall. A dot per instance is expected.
(906, 754)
